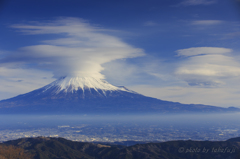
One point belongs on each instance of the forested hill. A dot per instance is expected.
(59, 148)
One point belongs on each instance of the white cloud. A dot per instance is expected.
(80, 51)
(220, 96)
(202, 50)
(206, 22)
(197, 2)
(206, 69)
(203, 75)
(207, 66)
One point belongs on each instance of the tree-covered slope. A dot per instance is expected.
(59, 148)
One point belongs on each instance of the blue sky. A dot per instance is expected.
(180, 50)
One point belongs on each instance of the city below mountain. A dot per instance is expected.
(88, 95)
(60, 148)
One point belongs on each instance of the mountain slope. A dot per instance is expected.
(90, 95)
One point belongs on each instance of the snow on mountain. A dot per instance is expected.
(73, 84)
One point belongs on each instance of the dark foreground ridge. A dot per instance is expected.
(59, 148)
(102, 99)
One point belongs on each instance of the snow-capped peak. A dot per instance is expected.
(71, 84)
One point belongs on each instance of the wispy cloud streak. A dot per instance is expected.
(207, 66)
(197, 2)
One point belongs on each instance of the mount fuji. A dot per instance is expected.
(88, 95)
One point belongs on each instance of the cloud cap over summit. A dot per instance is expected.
(80, 50)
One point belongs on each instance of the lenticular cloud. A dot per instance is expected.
(80, 49)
